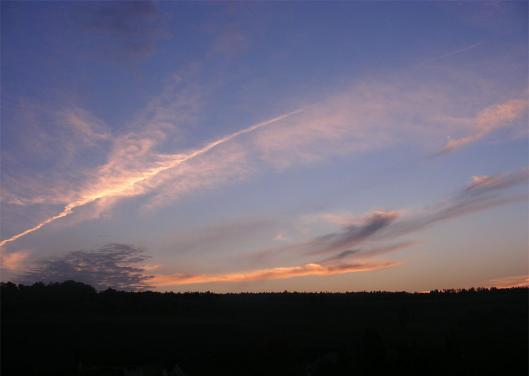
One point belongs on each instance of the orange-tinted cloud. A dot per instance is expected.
(13, 260)
(508, 282)
(161, 280)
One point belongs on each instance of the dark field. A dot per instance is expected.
(70, 329)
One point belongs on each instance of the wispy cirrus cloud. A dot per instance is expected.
(141, 162)
(372, 116)
(483, 184)
(367, 235)
(357, 240)
(86, 127)
(112, 181)
(368, 252)
(66, 143)
(116, 159)
(230, 164)
(480, 194)
(489, 120)
(353, 234)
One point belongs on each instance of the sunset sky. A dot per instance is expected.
(309, 146)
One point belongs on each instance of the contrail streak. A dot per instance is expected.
(451, 53)
(172, 160)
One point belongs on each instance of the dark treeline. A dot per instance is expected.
(71, 329)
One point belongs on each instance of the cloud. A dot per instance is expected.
(280, 237)
(124, 267)
(269, 274)
(355, 121)
(509, 282)
(226, 165)
(489, 120)
(371, 116)
(334, 246)
(353, 234)
(363, 118)
(484, 184)
(64, 179)
(142, 161)
(87, 128)
(368, 252)
(482, 193)
(111, 265)
(64, 143)
(123, 177)
(118, 266)
(381, 226)
(14, 260)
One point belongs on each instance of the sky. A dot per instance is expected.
(265, 146)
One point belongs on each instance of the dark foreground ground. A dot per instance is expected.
(69, 329)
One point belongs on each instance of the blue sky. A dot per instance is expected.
(269, 146)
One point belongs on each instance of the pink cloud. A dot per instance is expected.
(490, 119)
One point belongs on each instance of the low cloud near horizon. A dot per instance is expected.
(124, 266)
